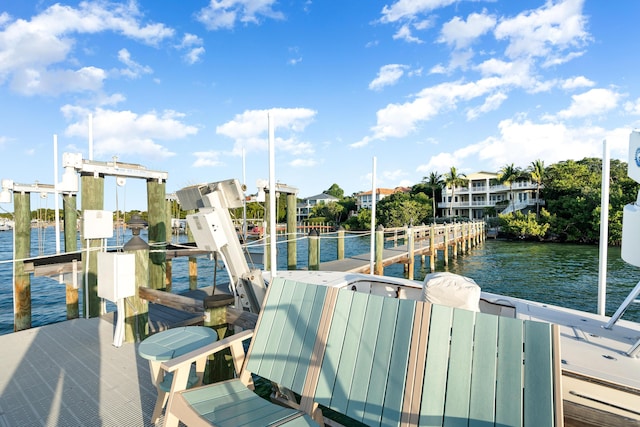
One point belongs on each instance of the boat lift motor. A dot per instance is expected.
(214, 231)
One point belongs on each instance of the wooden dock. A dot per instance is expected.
(69, 374)
(423, 241)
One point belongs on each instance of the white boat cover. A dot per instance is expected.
(451, 290)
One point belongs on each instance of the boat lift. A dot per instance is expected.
(213, 231)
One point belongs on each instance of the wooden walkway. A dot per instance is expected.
(427, 241)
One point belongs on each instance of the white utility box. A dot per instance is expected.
(97, 224)
(116, 275)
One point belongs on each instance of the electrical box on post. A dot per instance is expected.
(97, 224)
(116, 275)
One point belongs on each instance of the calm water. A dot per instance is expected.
(555, 274)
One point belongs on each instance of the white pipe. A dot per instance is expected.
(604, 231)
(272, 200)
(56, 202)
(244, 197)
(90, 136)
(373, 217)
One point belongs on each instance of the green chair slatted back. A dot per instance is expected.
(282, 348)
(484, 370)
(363, 371)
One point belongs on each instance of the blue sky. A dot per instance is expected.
(422, 85)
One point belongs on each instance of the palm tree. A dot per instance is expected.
(453, 179)
(536, 172)
(508, 175)
(434, 181)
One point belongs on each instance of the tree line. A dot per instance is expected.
(571, 191)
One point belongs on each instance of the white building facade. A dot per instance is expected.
(483, 196)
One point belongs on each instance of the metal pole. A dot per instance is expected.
(373, 218)
(604, 231)
(272, 201)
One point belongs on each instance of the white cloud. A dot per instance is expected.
(193, 46)
(33, 81)
(207, 159)
(545, 32)
(125, 132)
(33, 53)
(409, 9)
(194, 55)
(387, 75)
(577, 82)
(404, 33)
(591, 103)
(461, 34)
(249, 129)
(133, 70)
(224, 14)
(303, 163)
(399, 120)
(521, 142)
(492, 102)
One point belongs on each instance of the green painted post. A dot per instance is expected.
(268, 232)
(157, 233)
(379, 267)
(220, 366)
(193, 261)
(314, 250)
(22, 250)
(71, 245)
(341, 242)
(292, 247)
(92, 197)
(136, 309)
(168, 279)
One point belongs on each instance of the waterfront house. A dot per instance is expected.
(303, 208)
(483, 196)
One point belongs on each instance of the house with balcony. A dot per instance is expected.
(303, 208)
(483, 196)
(364, 199)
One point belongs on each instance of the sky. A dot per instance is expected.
(420, 85)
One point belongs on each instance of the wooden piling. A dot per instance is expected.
(219, 367)
(136, 309)
(445, 243)
(410, 245)
(432, 248)
(71, 245)
(92, 198)
(454, 241)
(157, 232)
(22, 250)
(292, 249)
(314, 250)
(169, 264)
(340, 243)
(379, 248)
(193, 261)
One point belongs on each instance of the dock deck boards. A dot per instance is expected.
(70, 374)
